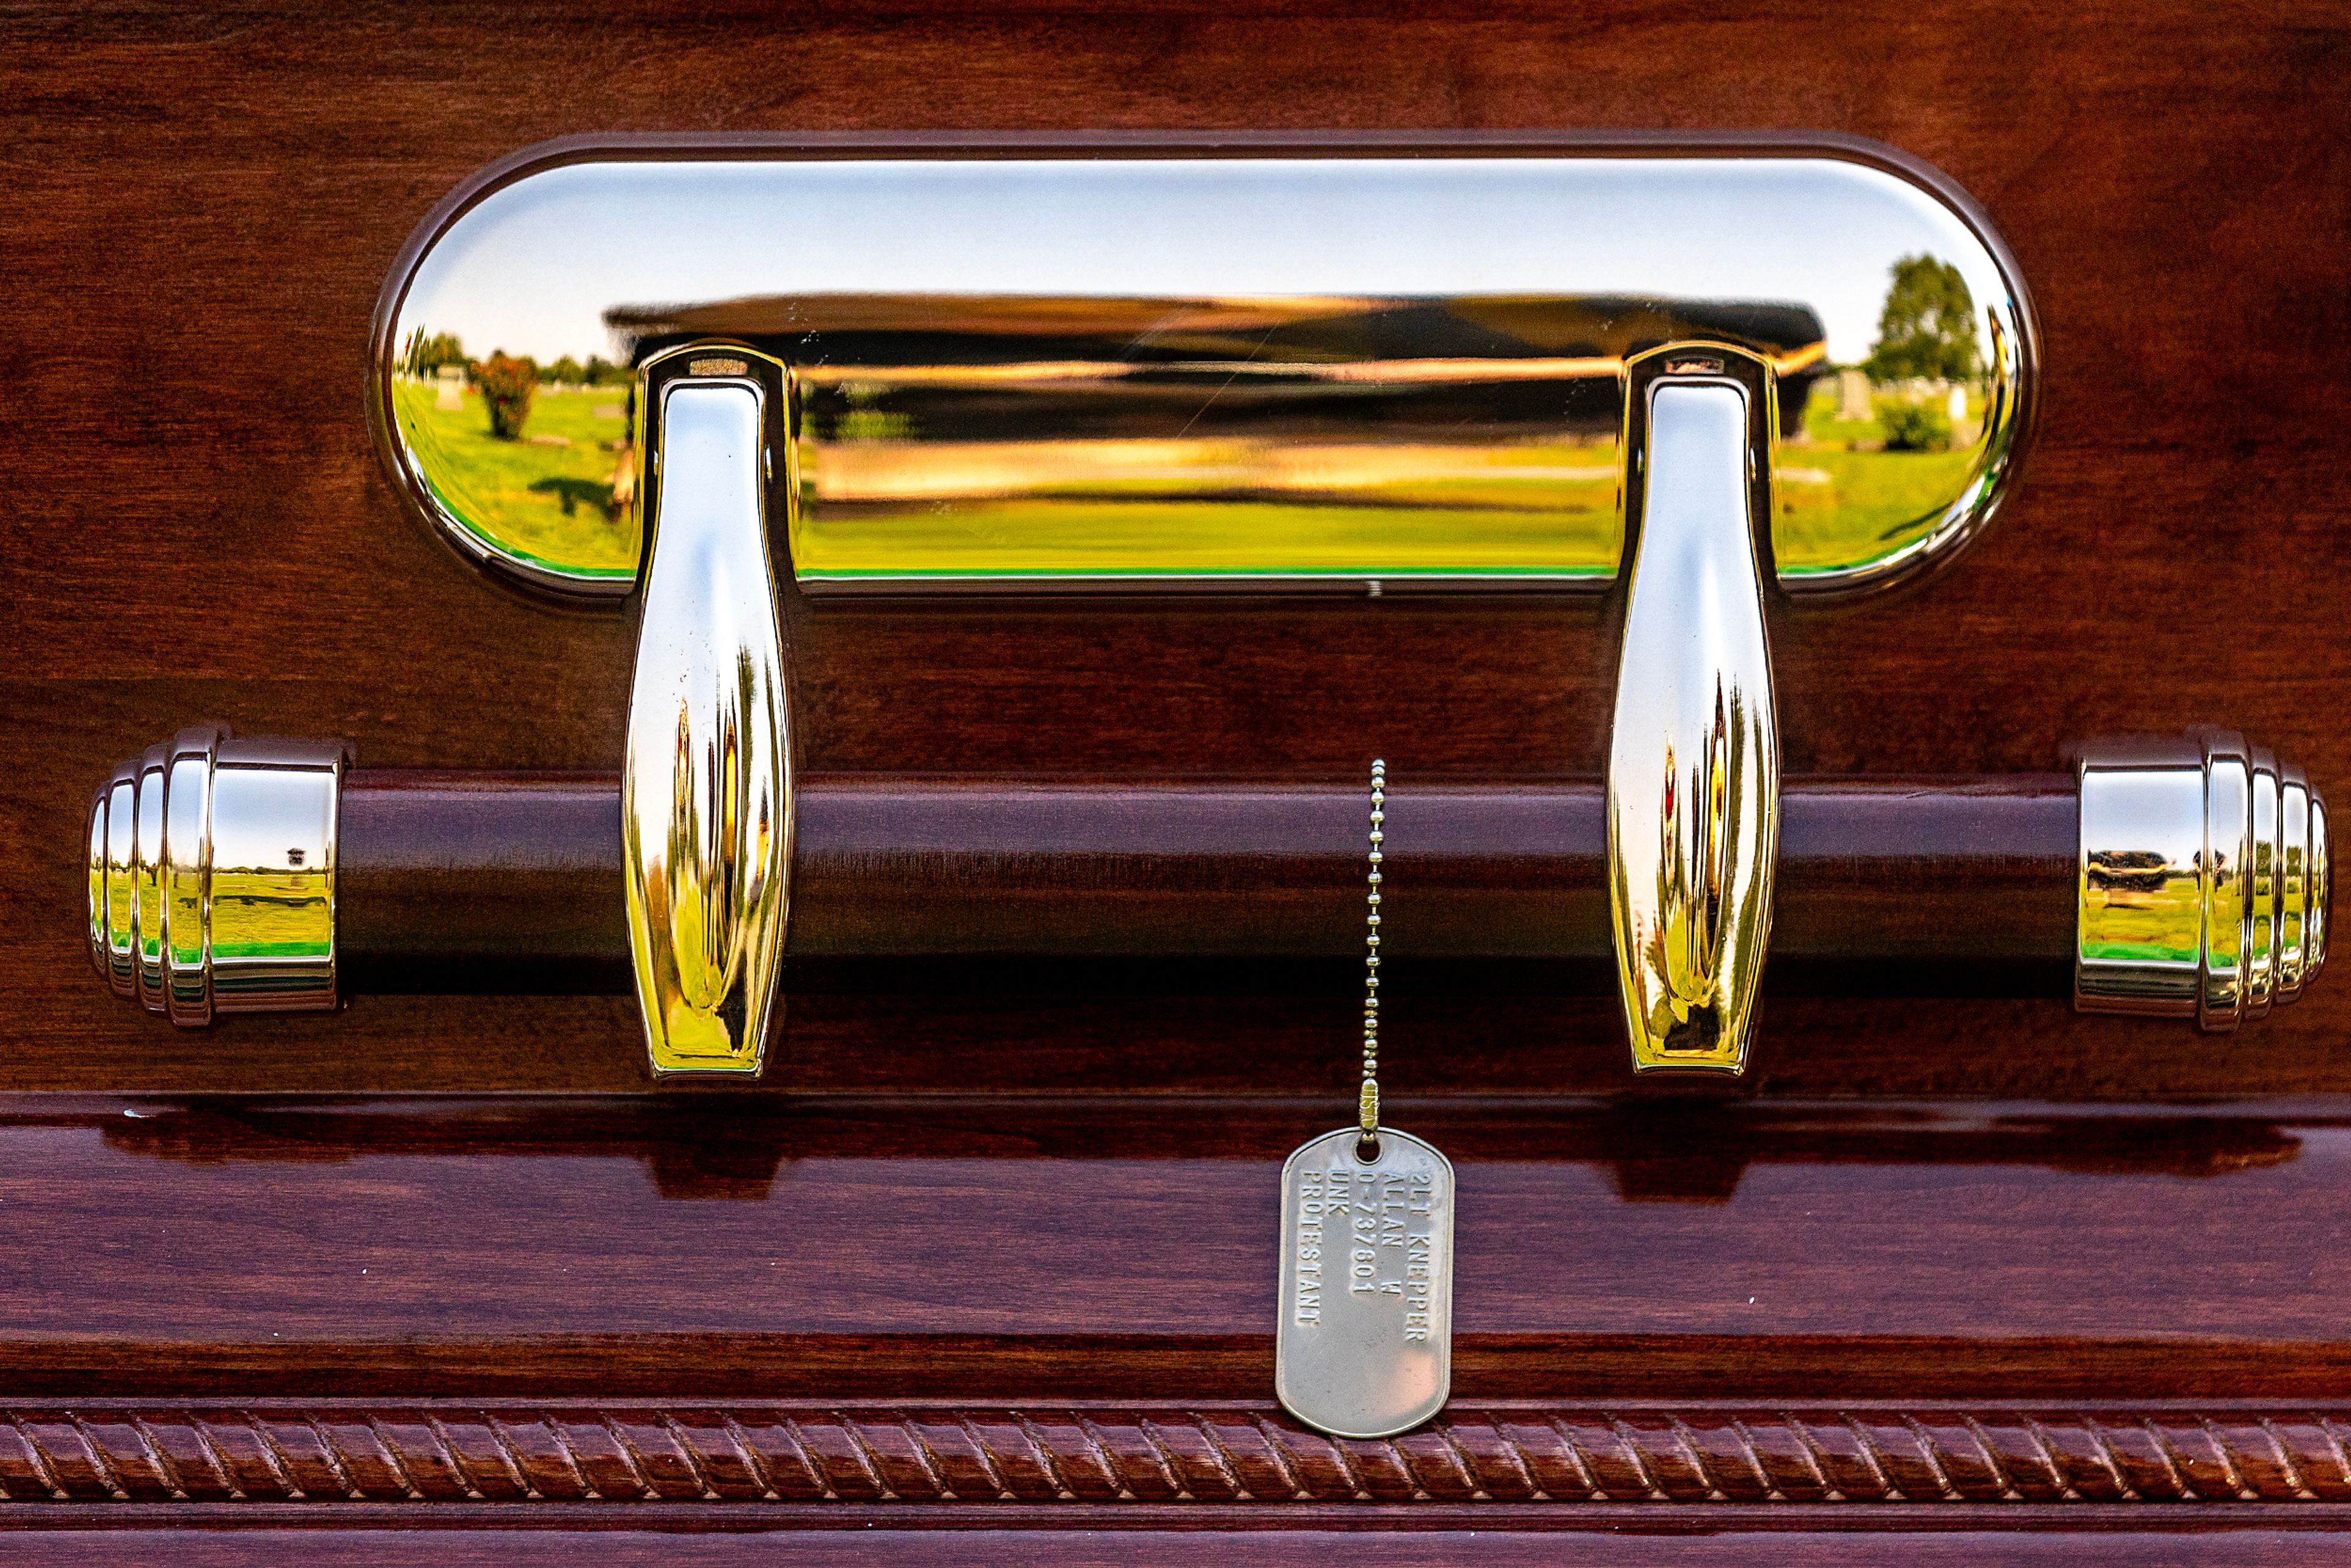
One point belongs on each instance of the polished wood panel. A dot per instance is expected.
(998, 1247)
(197, 526)
(2267, 1536)
(201, 211)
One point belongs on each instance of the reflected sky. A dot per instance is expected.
(534, 267)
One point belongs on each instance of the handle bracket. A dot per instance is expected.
(1694, 747)
(706, 788)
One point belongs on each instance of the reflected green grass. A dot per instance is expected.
(1862, 502)
(2171, 934)
(547, 503)
(1535, 510)
(1099, 535)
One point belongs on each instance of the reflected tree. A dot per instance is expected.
(1927, 330)
(507, 386)
(427, 355)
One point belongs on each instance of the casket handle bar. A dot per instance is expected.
(252, 875)
(2203, 865)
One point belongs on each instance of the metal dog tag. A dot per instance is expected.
(1363, 1347)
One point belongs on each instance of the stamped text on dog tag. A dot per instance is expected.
(1364, 1344)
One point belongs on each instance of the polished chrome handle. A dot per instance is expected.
(706, 789)
(1694, 747)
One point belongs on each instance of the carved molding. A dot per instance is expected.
(443, 1451)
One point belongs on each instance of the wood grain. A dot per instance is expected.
(2260, 1536)
(976, 1248)
(201, 209)
(205, 206)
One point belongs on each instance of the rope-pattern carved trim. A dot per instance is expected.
(1519, 1452)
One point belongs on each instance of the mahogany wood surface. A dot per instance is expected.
(2013, 1203)
(727, 1245)
(379, 1538)
(205, 206)
(513, 882)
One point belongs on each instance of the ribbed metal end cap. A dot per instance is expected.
(2204, 881)
(212, 876)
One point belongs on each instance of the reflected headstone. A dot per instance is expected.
(452, 380)
(1853, 397)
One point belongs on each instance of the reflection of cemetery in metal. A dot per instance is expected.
(1263, 448)
(878, 501)
(1428, 433)
(564, 492)
(985, 439)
